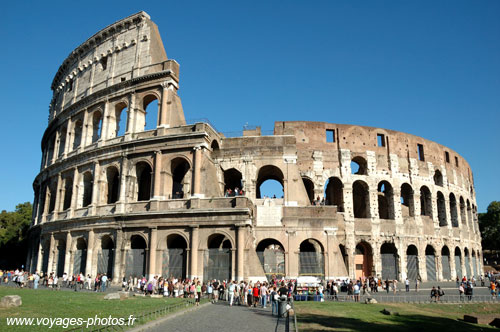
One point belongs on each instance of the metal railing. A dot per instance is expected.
(403, 298)
(139, 318)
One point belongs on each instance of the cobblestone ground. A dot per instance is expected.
(221, 317)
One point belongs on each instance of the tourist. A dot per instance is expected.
(356, 292)
(36, 280)
(440, 293)
(255, 293)
(461, 292)
(407, 285)
(434, 294)
(387, 285)
(274, 301)
(231, 292)
(198, 293)
(263, 295)
(104, 281)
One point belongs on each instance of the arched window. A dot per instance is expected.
(62, 141)
(389, 255)
(458, 263)
(445, 262)
(438, 178)
(87, 189)
(68, 192)
(53, 193)
(232, 182)
(361, 199)
(136, 266)
(120, 124)
(175, 257)
(150, 107)
(334, 193)
(453, 210)
(359, 166)
(309, 187)
(143, 173)
(385, 200)
(311, 262)
(441, 207)
(271, 254)
(180, 181)
(96, 126)
(363, 260)
(77, 134)
(407, 202)
(469, 215)
(412, 262)
(270, 182)
(105, 256)
(113, 182)
(214, 145)
(80, 257)
(430, 263)
(425, 202)
(462, 211)
(218, 261)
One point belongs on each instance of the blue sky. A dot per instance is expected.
(429, 68)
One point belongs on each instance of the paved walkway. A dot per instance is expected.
(221, 317)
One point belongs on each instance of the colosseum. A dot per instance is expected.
(121, 194)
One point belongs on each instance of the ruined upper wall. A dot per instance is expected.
(126, 49)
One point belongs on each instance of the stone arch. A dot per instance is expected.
(458, 262)
(309, 187)
(385, 196)
(266, 173)
(474, 263)
(175, 256)
(87, 183)
(363, 260)
(80, 255)
(96, 125)
(311, 261)
(52, 188)
(389, 256)
(361, 199)
(77, 133)
(136, 256)
(438, 178)
(462, 211)
(467, 263)
(150, 106)
(62, 140)
(214, 145)
(441, 208)
(425, 202)
(120, 123)
(345, 256)
(271, 253)
(412, 262)
(113, 184)
(61, 254)
(143, 175)
(453, 210)
(219, 240)
(179, 167)
(445, 262)
(68, 192)
(469, 215)
(407, 200)
(232, 180)
(430, 263)
(217, 262)
(359, 166)
(334, 193)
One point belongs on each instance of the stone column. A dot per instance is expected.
(50, 264)
(163, 106)
(193, 269)
(453, 272)
(67, 141)
(240, 243)
(58, 196)
(372, 204)
(439, 266)
(152, 251)
(157, 175)
(377, 259)
(74, 193)
(422, 267)
(462, 262)
(95, 185)
(67, 254)
(40, 256)
(396, 202)
(117, 273)
(90, 251)
(197, 172)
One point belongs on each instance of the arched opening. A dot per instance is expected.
(363, 260)
(430, 263)
(385, 200)
(359, 166)
(217, 259)
(180, 183)
(453, 210)
(458, 262)
(412, 262)
(77, 134)
(311, 262)
(62, 141)
(80, 257)
(425, 202)
(345, 257)
(96, 126)
(441, 207)
(407, 202)
(469, 215)
(105, 256)
(270, 182)
(462, 211)
(389, 255)
(467, 263)
(309, 187)
(361, 199)
(445, 263)
(150, 107)
(175, 257)
(121, 114)
(51, 147)
(113, 182)
(334, 193)
(136, 257)
(61, 253)
(45, 256)
(68, 192)
(474, 264)
(214, 145)
(271, 254)
(52, 196)
(87, 189)
(232, 182)
(143, 173)
(438, 178)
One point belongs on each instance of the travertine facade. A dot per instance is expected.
(112, 197)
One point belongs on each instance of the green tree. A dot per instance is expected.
(489, 225)
(14, 226)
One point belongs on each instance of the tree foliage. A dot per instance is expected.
(489, 225)
(14, 226)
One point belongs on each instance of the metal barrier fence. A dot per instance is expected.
(141, 317)
(403, 298)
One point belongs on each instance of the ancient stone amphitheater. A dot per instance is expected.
(127, 187)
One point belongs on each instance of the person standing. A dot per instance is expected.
(36, 280)
(198, 293)
(104, 282)
(407, 285)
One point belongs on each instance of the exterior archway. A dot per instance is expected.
(334, 193)
(61, 253)
(425, 202)
(136, 257)
(217, 262)
(345, 257)
(179, 168)
(407, 200)
(474, 264)
(361, 199)
(385, 200)
(106, 256)
(311, 261)
(412, 262)
(453, 210)
(359, 166)
(232, 180)
(309, 186)
(175, 257)
(143, 173)
(80, 256)
(271, 254)
(441, 207)
(389, 256)
(363, 260)
(88, 180)
(438, 178)
(266, 173)
(430, 263)
(445, 263)
(467, 263)
(458, 262)
(113, 183)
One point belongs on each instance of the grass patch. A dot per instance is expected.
(61, 304)
(334, 316)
